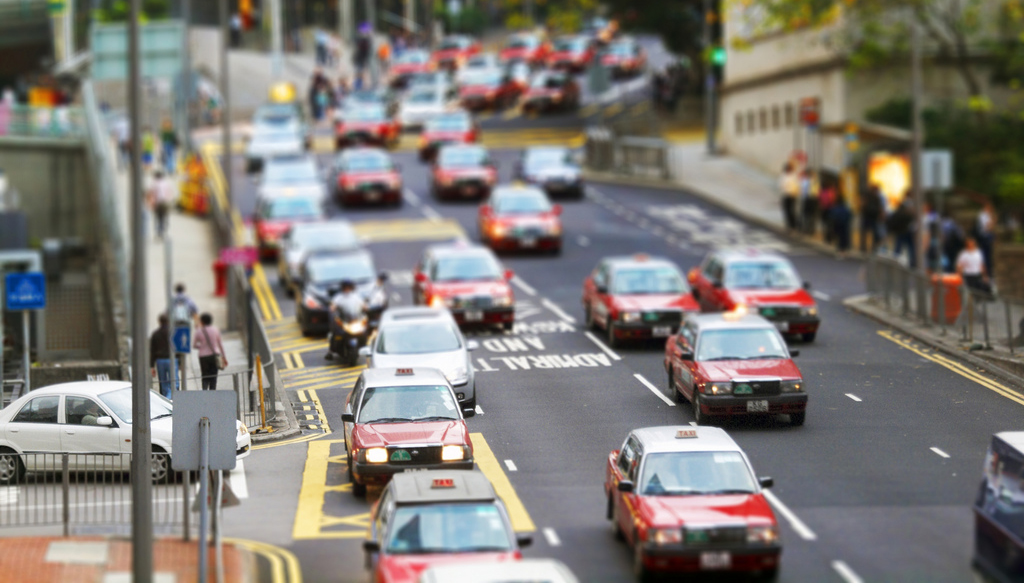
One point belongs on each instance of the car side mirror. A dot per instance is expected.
(365, 351)
(524, 540)
(766, 482)
(420, 277)
(472, 345)
(794, 353)
(625, 486)
(557, 209)
(371, 546)
(807, 285)
(685, 355)
(509, 274)
(348, 418)
(105, 421)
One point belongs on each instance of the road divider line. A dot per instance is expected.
(478, 410)
(511, 465)
(411, 197)
(601, 345)
(309, 515)
(939, 452)
(236, 478)
(552, 537)
(794, 521)
(654, 389)
(284, 566)
(519, 283)
(488, 464)
(430, 213)
(583, 241)
(846, 572)
(557, 310)
(821, 295)
(853, 397)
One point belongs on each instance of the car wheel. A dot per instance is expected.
(768, 576)
(699, 417)
(358, 490)
(676, 393)
(809, 337)
(613, 342)
(613, 515)
(507, 326)
(588, 317)
(797, 419)
(160, 466)
(11, 467)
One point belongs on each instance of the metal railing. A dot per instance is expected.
(627, 155)
(41, 122)
(245, 384)
(983, 321)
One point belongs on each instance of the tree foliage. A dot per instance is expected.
(118, 10)
(565, 16)
(678, 22)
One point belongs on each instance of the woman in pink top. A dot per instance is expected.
(211, 352)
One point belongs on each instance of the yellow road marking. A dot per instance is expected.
(302, 439)
(956, 367)
(320, 411)
(512, 113)
(613, 109)
(302, 396)
(284, 566)
(297, 359)
(303, 347)
(310, 418)
(639, 108)
(589, 110)
(320, 373)
(489, 465)
(333, 384)
(260, 277)
(309, 515)
(408, 230)
(288, 364)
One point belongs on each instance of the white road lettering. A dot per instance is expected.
(484, 367)
(854, 397)
(513, 344)
(543, 327)
(400, 278)
(705, 229)
(846, 572)
(940, 453)
(602, 346)
(654, 389)
(798, 525)
(478, 410)
(552, 537)
(552, 361)
(510, 465)
(557, 310)
(527, 288)
(821, 295)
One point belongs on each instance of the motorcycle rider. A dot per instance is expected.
(348, 304)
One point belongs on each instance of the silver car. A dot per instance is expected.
(425, 337)
(305, 238)
(422, 104)
(295, 175)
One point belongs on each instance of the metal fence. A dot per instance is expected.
(628, 155)
(982, 320)
(246, 385)
(41, 122)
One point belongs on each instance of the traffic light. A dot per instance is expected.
(718, 56)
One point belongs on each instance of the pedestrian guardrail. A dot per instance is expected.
(982, 320)
(246, 384)
(41, 122)
(627, 155)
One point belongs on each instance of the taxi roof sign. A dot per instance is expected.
(283, 92)
(641, 257)
(686, 434)
(404, 371)
(442, 483)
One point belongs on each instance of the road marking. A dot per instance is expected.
(510, 465)
(602, 346)
(297, 359)
(583, 241)
(613, 109)
(693, 423)
(940, 453)
(518, 282)
(511, 113)
(430, 213)
(821, 295)
(854, 397)
(284, 567)
(654, 389)
(557, 310)
(798, 525)
(319, 410)
(957, 368)
(488, 464)
(408, 230)
(236, 478)
(589, 110)
(309, 515)
(846, 572)
(411, 197)
(478, 410)
(552, 536)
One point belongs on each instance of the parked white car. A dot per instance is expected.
(86, 417)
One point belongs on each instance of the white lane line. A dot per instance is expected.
(846, 572)
(478, 410)
(237, 480)
(552, 536)
(519, 283)
(583, 241)
(940, 453)
(396, 297)
(797, 524)
(430, 213)
(854, 397)
(654, 389)
(821, 295)
(693, 423)
(510, 465)
(411, 197)
(602, 346)
(558, 311)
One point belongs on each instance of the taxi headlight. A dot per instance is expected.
(719, 389)
(376, 455)
(554, 228)
(439, 302)
(811, 311)
(630, 316)
(355, 327)
(498, 231)
(394, 182)
(666, 536)
(502, 301)
(792, 386)
(447, 181)
(762, 535)
(453, 453)
(457, 376)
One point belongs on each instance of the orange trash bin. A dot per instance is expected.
(950, 284)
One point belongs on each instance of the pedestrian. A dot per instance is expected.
(809, 202)
(361, 56)
(211, 352)
(160, 357)
(985, 233)
(148, 147)
(789, 186)
(124, 143)
(840, 216)
(236, 31)
(383, 55)
(827, 200)
(932, 240)
(970, 264)
(952, 242)
(901, 225)
(871, 212)
(168, 145)
(184, 310)
(161, 196)
(320, 42)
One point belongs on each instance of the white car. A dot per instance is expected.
(272, 140)
(86, 417)
(295, 175)
(478, 62)
(423, 104)
(547, 570)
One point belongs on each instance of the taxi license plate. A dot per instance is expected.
(373, 195)
(528, 242)
(782, 326)
(760, 406)
(468, 190)
(715, 560)
(474, 316)
(661, 331)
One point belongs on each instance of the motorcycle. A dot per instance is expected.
(354, 322)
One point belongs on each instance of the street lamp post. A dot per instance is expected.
(709, 82)
(916, 144)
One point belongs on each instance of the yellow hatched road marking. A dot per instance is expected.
(288, 364)
(259, 279)
(319, 410)
(639, 108)
(284, 566)
(512, 113)
(309, 515)
(491, 138)
(295, 383)
(613, 109)
(320, 372)
(332, 384)
(589, 110)
(489, 465)
(408, 229)
(297, 359)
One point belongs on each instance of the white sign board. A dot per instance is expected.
(937, 169)
(189, 408)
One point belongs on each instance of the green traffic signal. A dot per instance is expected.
(718, 56)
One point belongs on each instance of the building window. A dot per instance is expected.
(764, 119)
(739, 123)
(789, 115)
(775, 117)
(750, 121)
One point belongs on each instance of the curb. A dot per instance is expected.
(861, 305)
(291, 430)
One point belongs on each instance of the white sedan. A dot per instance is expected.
(421, 105)
(92, 417)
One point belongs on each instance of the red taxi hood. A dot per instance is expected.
(466, 172)
(763, 297)
(407, 568)
(670, 511)
(724, 370)
(477, 89)
(273, 229)
(348, 126)
(382, 434)
(628, 303)
(447, 135)
(469, 288)
(566, 55)
(544, 91)
(406, 68)
(367, 176)
(443, 54)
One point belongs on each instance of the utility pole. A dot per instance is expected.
(275, 39)
(917, 142)
(186, 77)
(142, 484)
(709, 83)
(225, 95)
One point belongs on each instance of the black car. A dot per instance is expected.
(551, 168)
(322, 274)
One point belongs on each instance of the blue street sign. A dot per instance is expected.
(25, 291)
(183, 340)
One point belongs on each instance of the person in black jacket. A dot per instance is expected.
(902, 225)
(871, 209)
(160, 357)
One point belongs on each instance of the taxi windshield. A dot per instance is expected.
(547, 158)
(301, 170)
(522, 42)
(277, 112)
(269, 133)
(291, 208)
(412, 58)
(466, 268)
(569, 44)
(761, 275)
(548, 82)
(418, 338)
(370, 114)
(430, 96)
(521, 204)
(356, 267)
(333, 237)
(448, 124)
(485, 77)
(376, 162)
(696, 473)
(407, 404)
(462, 157)
(622, 50)
(449, 44)
(448, 528)
(648, 280)
(120, 402)
(740, 344)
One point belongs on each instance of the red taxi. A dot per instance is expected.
(275, 215)
(687, 500)
(366, 124)
(409, 63)
(403, 419)
(463, 171)
(488, 89)
(366, 175)
(520, 218)
(572, 53)
(527, 47)
(760, 283)
(636, 297)
(435, 518)
(469, 281)
(448, 128)
(625, 58)
(734, 364)
(550, 90)
(453, 51)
